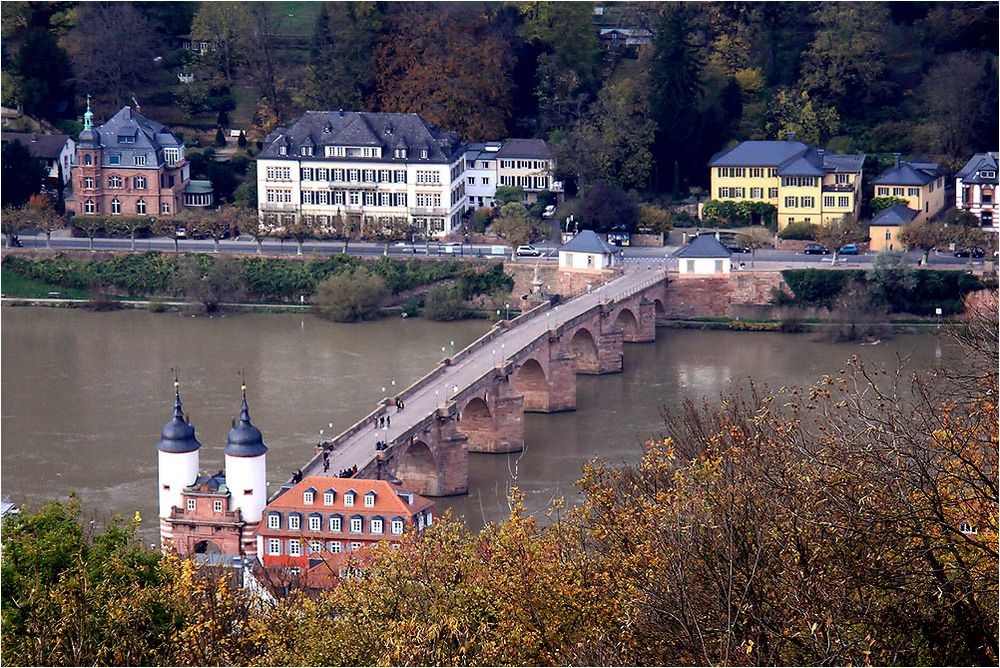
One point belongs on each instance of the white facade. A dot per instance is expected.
(176, 470)
(429, 197)
(585, 261)
(65, 162)
(246, 478)
(704, 265)
(481, 176)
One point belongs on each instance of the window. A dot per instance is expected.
(967, 529)
(315, 546)
(791, 202)
(282, 150)
(472, 180)
(335, 547)
(87, 160)
(829, 201)
(88, 206)
(772, 193)
(690, 266)
(116, 206)
(307, 497)
(273, 546)
(349, 497)
(989, 175)
(428, 177)
(888, 235)
(913, 192)
(353, 175)
(376, 525)
(114, 159)
(842, 178)
(279, 173)
(396, 527)
(423, 154)
(139, 160)
(294, 522)
(843, 202)
(114, 182)
(315, 523)
(273, 521)
(882, 192)
(328, 498)
(139, 182)
(756, 193)
(88, 182)
(808, 202)
(486, 180)
(368, 176)
(356, 546)
(756, 172)
(336, 524)
(356, 525)
(370, 500)
(294, 548)
(718, 266)
(897, 192)
(171, 155)
(165, 207)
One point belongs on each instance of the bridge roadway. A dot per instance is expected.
(356, 446)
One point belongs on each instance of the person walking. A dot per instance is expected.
(388, 421)
(326, 465)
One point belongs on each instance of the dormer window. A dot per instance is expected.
(989, 175)
(327, 498)
(399, 153)
(327, 129)
(307, 497)
(370, 500)
(273, 521)
(294, 522)
(126, 139)
(114, 159)
(87, 160)
(967, 529)
(349, 499)
(423, 154)
(282, 150)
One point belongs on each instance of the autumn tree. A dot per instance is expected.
(431, 60)
(796, 112)
(514, 224)
(44, 217)
(14, 221)
(840, 232)
(925, 235)
(256, 46)
(169, 226)
(215, 224)
(91, 226)
(223, 26)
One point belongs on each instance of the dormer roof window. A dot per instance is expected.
(370, 500)
(988, 174)
(282, 150)
(968, 529)
(423, 154)
(309, 496)
(126, 139)
(349, 497)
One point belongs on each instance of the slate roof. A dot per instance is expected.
(704, 246)
(908, 174)
(894, 216)
(978, 163)
(128, 134)
(791, 158)
(361, 128)
(532, 149)
(244, 439)
(41, 146)
(177, 435)
(586, 241)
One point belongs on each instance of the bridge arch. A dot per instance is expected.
(476, 423)
(207, 547)
(418, 467)
(584, 347)
(628, 324)
(659, 309)
(531, 382)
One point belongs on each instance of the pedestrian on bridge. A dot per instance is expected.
(388, 421)
(326, 465)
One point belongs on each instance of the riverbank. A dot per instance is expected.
(900, 326)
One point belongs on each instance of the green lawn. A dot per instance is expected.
(303, 17)
(14, 285)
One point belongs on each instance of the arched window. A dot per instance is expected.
(87, 160)
(140, 206)
(116, 206)
(88, 206)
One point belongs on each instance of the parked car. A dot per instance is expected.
(816, 249)
(549, 211)
(528, 251)
(734, 247)
(181, 233)
(975, 252)
(452, 248)
(849, 249)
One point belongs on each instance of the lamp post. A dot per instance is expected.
(507, 306)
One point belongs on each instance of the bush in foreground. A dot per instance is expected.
(356, 294)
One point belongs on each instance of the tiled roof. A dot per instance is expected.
(387, 499)
(908, 174)
(895, 215)
(360, 128)
(978, 163)
(704, 246)
(40, 146)
(586, 241)
(535, 149)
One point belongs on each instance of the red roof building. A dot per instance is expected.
(321, 518)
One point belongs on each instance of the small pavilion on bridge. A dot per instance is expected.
(704, 255)
(587, 252)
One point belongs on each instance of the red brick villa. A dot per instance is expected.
(132, 166)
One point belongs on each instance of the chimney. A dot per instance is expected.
(896, 156)
(790, 136)
(128, 112)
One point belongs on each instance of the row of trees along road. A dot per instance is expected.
(849, 523)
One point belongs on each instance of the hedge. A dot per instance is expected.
(267, 279)
(799, 231)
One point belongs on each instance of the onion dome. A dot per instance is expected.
(244, 439)
(88, 137)
(178, 434)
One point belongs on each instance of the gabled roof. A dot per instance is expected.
(147, 138)
(535, 149)
(908, 174)
(758, 154)
(586, 241)
(41, 146)
(362, 128)
(895, 215)
(978, 163)
(387, 499)
(704, 246)
(803, 165)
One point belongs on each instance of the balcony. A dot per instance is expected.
(279, 206)
(427, 211)
(839, 188)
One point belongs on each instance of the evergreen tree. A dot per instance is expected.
(341, 72)
(22, 173)
(220, 137)
(45, 76)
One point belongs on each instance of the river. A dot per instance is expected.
(84, 396)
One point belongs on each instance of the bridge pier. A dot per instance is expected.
(434, 460)
(610, 355)
(494, 422)
(645, 330)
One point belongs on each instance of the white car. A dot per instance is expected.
(528, 251)
(549, 211)
(181, 233)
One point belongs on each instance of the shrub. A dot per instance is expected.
(818, 287)
(879, 203)
(445, 303)
(654, 219)
(799, 232)
(220, 137)
(606, 207)
(356, 294)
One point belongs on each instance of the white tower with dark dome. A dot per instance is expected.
(246, 471)
(178, 464)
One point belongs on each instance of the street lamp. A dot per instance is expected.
(507, 306)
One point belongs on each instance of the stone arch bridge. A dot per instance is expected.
(475, 400)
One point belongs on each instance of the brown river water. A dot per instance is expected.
(83, 396)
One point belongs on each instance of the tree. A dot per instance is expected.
(265, 118)
(91, 226)
(514, 224)
(168, 227)
(444, 303)
(300, 230)
(796, 112)
(131, 225)
(924, 235)
(352, 295)
(14, 221)
(655, 219)
(111, 46)
(215, 224)
(44, 76)
(508, 194)
(607, 207)
(210, 281)
(22, 174)
(222, 25)
(950, 93)
(431, 60)
(257, 45)
(44, 217)
(341, 69)
(245, 194)
(840, 232)
(220, 137)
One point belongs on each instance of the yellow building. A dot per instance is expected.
(885, 228)
(529, 163)
(805, 184)
(921, 184)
